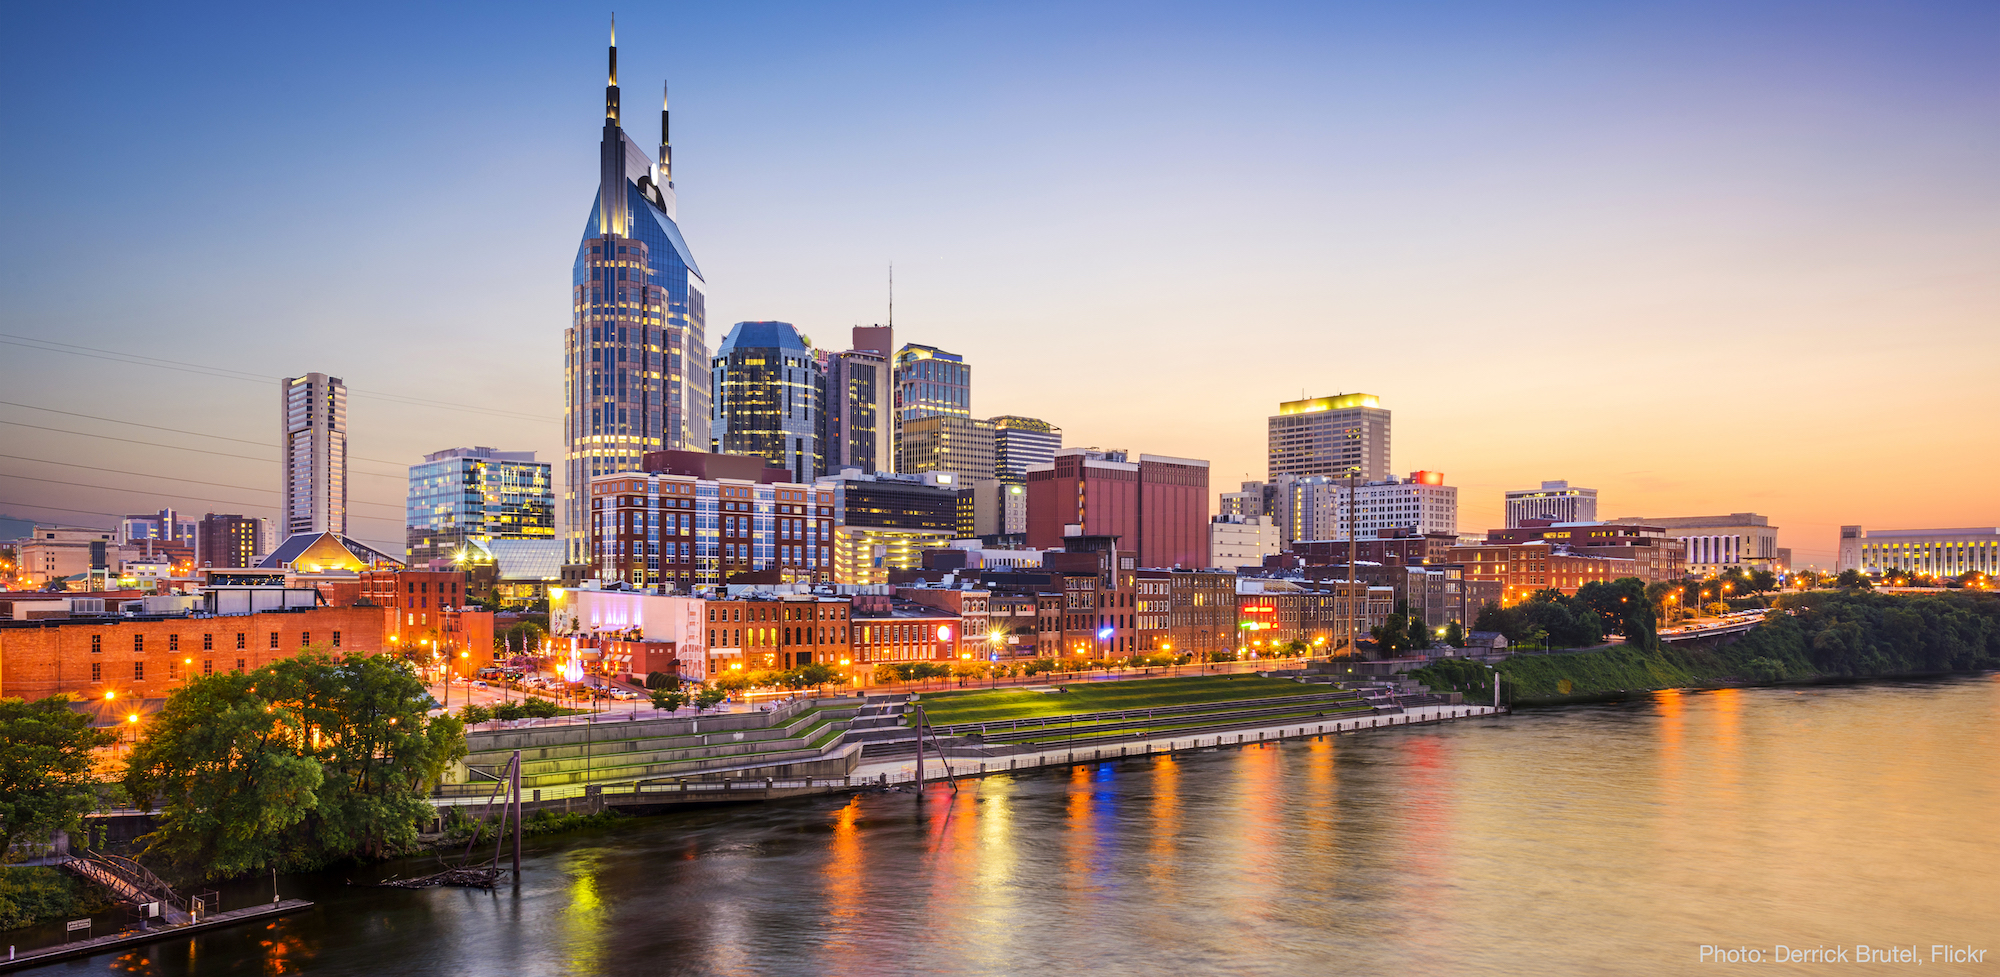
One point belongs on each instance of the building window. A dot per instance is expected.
(139, 644)
(96, 672)
(239, 664)
(336, 639)
(208, 642)
(305, 639)
(173, 669)
(96, 644)
(173, 642)
(240, 636)
(274, 640)
(208, 666)
(138, 671)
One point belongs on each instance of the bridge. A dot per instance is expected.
(1736, 628)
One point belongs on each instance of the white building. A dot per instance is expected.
(1235, 541)
(312, 447)
(1554, 501)
(578, 612)
(1315, 507)
(1716, 543)
(1936, 552)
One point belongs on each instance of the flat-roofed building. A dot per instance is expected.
(1716, 543)
(1933, 552)
(1554, 501)
(1330, 436)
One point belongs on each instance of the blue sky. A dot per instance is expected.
(1703, 257)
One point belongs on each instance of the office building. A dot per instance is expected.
(930, 382)
(313, 452)
(769, 388)
(1554, 501)
(1931, 552)
(1713, 544)
(462, 495)
(636, 364)
(227, 540)
(884, 521)
(1019, 442)
(1331, 436)
(1521, 569)
(1314, 507)
(692, 520)
(1239, 542)
(945, 443)
(62, 552)
(998, 508)
(860, 401)
(165, 525)
(1656, 557)
(1157, 506)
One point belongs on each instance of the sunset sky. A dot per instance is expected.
(1705, 258)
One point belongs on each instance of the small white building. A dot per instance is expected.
(1236, 541)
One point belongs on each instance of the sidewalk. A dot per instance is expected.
(905, 770)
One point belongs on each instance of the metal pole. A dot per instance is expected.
(920, 751)
(517, 817)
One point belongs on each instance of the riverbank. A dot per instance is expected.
(1807, 639)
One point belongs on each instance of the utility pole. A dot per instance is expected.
(1353, 554)
(517, 819)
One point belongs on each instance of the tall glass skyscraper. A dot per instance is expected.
(461, 495)
(769, 391)
(635, 357)
(930, 383)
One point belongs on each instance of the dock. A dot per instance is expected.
(120, 941)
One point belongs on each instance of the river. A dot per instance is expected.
(1610, 839)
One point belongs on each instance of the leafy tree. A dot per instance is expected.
(661, 680)
(292, 766)
(45, 783)
(732, 682)
(708, 698)
(818, 674)
(669, 699)
(1419, 633)
(1454, 634)
(886, 674)
(1852, 579)
(474, 714)
(1623, 607)
(1392, 636)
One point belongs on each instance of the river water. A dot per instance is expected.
(1613, 839)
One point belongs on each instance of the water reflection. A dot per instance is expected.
(1606, 839)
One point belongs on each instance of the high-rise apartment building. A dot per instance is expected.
(1331, 436)
(769, 388)
(944, 443)
(464, 495)
(227, 540)
(1554, 501)
(635, 366)
(930, 382)
(165, 525)
(1022, 441)
(313, 446)
(860, 402)
(1157, 506)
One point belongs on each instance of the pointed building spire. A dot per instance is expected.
(611, 86)
(666, 144)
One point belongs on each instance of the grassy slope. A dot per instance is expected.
(945, 708)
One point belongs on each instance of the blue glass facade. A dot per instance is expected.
(474, 494)
(636, 352)
(770, 388)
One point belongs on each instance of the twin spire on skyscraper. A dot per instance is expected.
(657, 185)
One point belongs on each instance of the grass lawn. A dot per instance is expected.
(983, 706)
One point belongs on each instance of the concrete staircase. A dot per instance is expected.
(799, 739)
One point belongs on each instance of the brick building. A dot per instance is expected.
(1523, 568)
(1656, 557)
(1157, 506)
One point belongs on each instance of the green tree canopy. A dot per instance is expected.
(45, 783)
(292, 766)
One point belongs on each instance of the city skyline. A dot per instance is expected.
(1521, 183)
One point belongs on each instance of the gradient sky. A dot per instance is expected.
(1703, 257)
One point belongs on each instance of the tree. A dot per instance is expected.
(1392, 636)
(292, 766)
(817, 674)
(45, 782)
(708, 698)
(1454, 634)
(1852, 579)
(1623, 606)
(669, 699)
(1419, 633)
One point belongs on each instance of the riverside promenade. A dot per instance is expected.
(962, 764)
